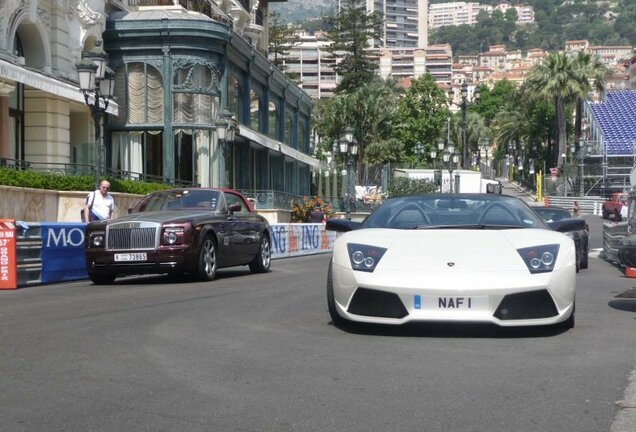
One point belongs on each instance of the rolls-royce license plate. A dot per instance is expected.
(140, 256)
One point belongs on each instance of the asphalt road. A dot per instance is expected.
(259, 353)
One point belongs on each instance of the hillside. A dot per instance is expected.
(299, 11)
(600, 22)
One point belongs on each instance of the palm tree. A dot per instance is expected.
(567, 80)
(476, 131)
(558, 79)
(373, 107)
(511, 124)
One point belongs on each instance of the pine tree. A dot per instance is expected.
(282, 38)
(351, 31)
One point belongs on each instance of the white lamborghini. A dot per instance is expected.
(453, 257)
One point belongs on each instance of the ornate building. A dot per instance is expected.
(177, 65)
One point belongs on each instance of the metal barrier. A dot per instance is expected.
(29, 253)
(588, 205)
(613, 235)
(51, 252)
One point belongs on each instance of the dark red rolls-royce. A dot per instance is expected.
(192, 230)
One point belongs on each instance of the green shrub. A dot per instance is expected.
(406, 186)
(60, 182)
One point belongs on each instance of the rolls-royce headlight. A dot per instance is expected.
(96, 239)
(540, 259)
(364, 257)
(172, 235)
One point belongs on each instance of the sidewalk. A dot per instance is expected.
(515, 188)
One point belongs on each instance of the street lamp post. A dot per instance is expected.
(564, 156)
(437, 173)
(450, 158)
(584, 150)
(485, 144)
(225, 133)
(463, 105)
(97, 83)
(419, 152)
(511, 160)
(349, 150)
(521, 159)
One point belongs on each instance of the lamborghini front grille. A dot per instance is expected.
(526, 305)
(375, 303)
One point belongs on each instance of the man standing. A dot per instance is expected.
(99, 203)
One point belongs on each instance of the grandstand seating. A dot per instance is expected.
(616, 118)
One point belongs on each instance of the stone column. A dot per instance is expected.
(47, 135)
(5, 120)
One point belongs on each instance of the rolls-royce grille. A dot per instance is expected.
(131, 238)
(376, 303)
(526, 305)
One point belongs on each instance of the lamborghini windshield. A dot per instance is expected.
(448, 211)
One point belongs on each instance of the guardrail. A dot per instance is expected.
(588, 205)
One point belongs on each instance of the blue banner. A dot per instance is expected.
(63, 256)
(301, 239)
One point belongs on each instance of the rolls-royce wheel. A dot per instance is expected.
(262, 260)
(206, 269)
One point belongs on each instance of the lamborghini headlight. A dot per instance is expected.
(364, 257)
(540, 259)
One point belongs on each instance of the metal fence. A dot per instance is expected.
(85, 169)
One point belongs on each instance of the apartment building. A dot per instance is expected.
(453, 14)
(400, 63)
(314, 64)
(439, 62)
(405, 23)
(525, 14)
(495, 58)
(458, 13)
(611, 55)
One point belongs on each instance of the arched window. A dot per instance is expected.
(145, 94)
(255, 109)
(272, 116)
(234, 95)
(289, 128)
(195, 95)
(195, 102)
(139, 93)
